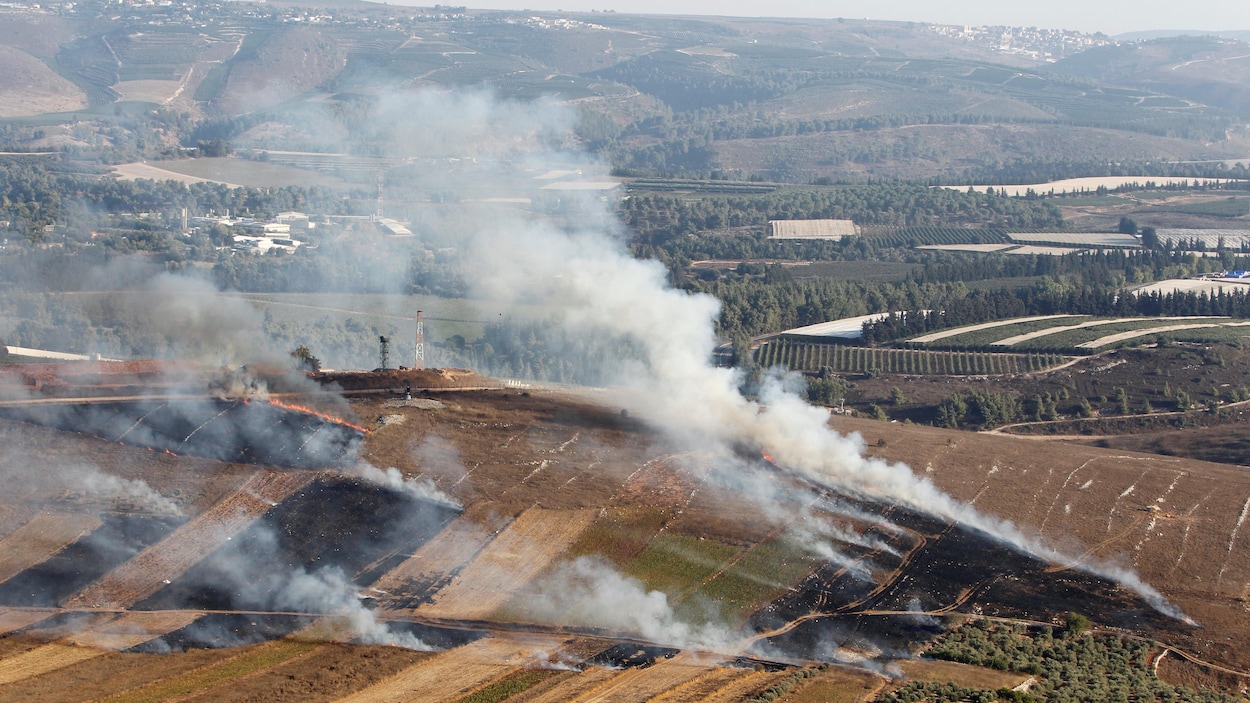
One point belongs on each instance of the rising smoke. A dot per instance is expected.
(578, 268)
(565, 256)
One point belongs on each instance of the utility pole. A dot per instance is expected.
(419, 362)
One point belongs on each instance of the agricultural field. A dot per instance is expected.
(658, 515)
(153, 568)
(528, 546)
(1082, 185)
(234, 172)
(1085, 239)
(1079, 334)
(811, 357)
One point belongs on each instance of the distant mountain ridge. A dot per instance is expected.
(1238, 34)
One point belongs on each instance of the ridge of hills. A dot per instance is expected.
(278, 78)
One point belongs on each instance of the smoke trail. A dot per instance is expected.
(421, 489)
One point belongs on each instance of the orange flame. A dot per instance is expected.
(318, 413)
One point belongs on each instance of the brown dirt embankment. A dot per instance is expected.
(399, 379)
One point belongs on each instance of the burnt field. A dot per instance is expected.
(249, 432)
(559, 495)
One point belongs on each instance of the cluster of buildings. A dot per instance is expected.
(255, 236)
(1031, 42)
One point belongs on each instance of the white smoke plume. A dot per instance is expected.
(581, 271)
(589, 592)
(394, 479)
(330, 591)
(113, 488)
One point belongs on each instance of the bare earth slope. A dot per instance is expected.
(29, 87)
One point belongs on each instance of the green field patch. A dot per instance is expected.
(1227, 207)
(261, 657)
(1072, 338)
(925, 236)
(620, 534)
(762, 575)
(1090, 201)
(511, 685)
(678, 564)
(990, 335)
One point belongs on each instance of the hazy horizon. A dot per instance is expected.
(1203, 16)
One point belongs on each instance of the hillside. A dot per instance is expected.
(781, 100)
(1206, 69)
(29, 87)
(540, 480)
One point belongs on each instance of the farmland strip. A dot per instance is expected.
(748, 685)
(133, 629)
(267, 655)
(641, 684)
(40, 539)
(449, 675)
(11, 620)
(587, 681)
(535, 539)
(933, 337)
(703, 686)
(148, 572)
(1131, 334)
(43, 659)
(434, 563)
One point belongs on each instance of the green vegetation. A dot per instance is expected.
(1230, 207)
(620, 534)
(511, 685)
(785, 685)
(678, 564)
(811, 357)
(1069, 666)
(762, 574)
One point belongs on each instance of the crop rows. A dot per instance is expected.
(812, 357)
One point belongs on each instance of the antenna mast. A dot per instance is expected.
(419, 363)
(379, 215)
